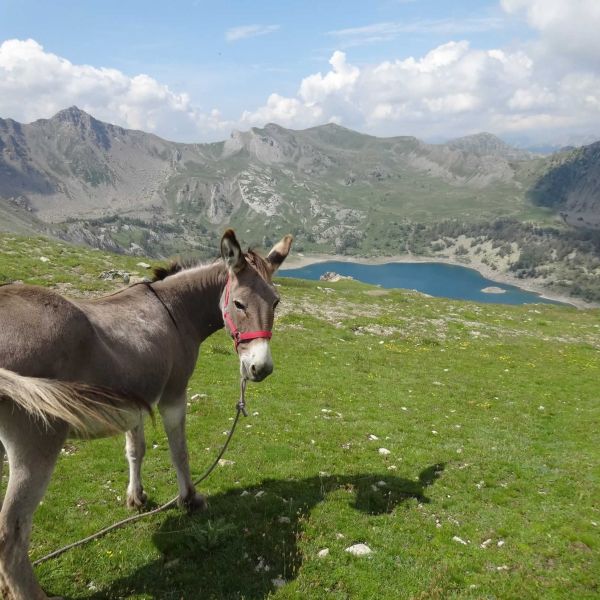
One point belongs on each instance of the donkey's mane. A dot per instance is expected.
(253, 258)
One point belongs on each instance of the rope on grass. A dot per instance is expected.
(240, 409)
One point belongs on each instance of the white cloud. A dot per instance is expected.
(315, 88)
(569, 29)
(248, 31)
(543, 88)
(453, 89)
(36, 84)
(390, 30)
(289, 112)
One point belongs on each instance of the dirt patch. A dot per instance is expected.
(377, 292)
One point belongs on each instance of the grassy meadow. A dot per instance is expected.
(489, 487)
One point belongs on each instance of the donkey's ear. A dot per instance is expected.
(231, 252)
(279, 252)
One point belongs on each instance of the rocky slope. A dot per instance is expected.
(570, 183)
(336, 189)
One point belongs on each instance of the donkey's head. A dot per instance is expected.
(249, 302)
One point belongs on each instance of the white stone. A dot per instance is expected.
(459, 540)
(384, 451)
(323, 553)
(278, 582)
(359, 550)
(372, 437)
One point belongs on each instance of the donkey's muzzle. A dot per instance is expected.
(258, 373)
(256, 361)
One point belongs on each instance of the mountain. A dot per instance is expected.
(487, 144)
(570, 183)
(336, 189)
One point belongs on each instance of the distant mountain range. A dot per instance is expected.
(85, 180)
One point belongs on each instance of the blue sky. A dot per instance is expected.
(424, 67)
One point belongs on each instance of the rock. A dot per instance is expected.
(172, 563)
(493, 290)
(384, 452)
(278, 582)
(359, 550)
(44, 259)
(333, 277)
(284, 520)
(143, 265)
(262, 566)
(373, 437)
(459, 540)
(323, 553)
(223, 462)
(113, 274)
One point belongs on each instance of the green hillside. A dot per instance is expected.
(490, 415)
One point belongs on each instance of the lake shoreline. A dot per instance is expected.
(298, 261)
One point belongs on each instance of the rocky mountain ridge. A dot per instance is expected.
(336, 189)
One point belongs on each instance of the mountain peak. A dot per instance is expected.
(488, 144)
(73, 118)
(72, 114)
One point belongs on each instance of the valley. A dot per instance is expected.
(473, 200)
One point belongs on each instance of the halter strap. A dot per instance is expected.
(237, 335)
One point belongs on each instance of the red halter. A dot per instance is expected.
(238, 336)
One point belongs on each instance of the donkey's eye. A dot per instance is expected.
(275, 304)
(239, 305)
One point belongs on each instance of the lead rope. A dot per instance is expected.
(240, 409)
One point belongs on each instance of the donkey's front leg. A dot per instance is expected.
(173, 416)
(135, 449)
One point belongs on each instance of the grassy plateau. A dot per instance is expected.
(459, 442)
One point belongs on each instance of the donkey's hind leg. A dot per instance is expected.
(135, 449)
(32, 455)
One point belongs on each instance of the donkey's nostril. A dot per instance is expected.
(253, 370)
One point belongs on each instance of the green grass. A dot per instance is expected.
(490, 414)
(39, 261)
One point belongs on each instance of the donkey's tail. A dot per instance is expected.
(85, 408)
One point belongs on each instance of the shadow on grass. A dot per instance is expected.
(242, 542)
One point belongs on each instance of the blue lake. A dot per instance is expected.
(435, 279)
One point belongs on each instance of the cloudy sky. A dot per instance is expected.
(193, 70)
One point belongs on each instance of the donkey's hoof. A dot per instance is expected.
(193, 503)
(136, 500)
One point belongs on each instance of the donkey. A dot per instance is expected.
(96, 367)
